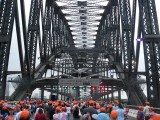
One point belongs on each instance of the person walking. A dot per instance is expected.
(146, 111)
(40, 115)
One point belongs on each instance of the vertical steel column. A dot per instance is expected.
(7, 14)
(51, 92)
(108, 100)
(112, 95)
(42, 93)
(151, 43)
(119, 95)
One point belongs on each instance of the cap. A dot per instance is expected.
(18, 105)
(55, 104)
(110, 106)
(24, 114)
(58, 109)
(63, 109)
(140, 107)
(91, 102)
(147, 103)
(4, 108)
(114, 114)
(155, 117)
(102, 109)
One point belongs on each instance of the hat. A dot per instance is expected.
(101, 116)
(155, 117)
(18, 105)
(55, 104)
(114, 114)
(102, 109)
(4, 108)
(24, 114)
(63, 109)
(91, 102)
(147, 103)
(140, 107)
(58, 109)
(109, 106)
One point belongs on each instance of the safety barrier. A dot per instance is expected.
(131, 110)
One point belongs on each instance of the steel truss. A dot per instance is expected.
(114, 51)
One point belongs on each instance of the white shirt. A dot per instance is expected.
(17, 116)
(146, 110)
(68, 109)
(60, 116)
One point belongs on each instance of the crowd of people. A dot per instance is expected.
(147, 113)
(70, 110)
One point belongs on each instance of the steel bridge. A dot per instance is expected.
(82, 38)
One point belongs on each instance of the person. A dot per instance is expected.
(151, 111)
(68, 109)
(113, 115)
(64, 113)
(109, 109)
(140, 114)
(10, 116)
(24, 115)
(90, 110)
(115, 106)
(121, 112)
(76, 113)
(146, 111)
(40, 115)
(155, 117)
(51, 110)
(4, 112)
(98, 108)
(102, 115)
(57, 115)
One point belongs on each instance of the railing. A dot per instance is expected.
(132, 110)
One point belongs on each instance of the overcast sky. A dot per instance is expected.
(14, 57)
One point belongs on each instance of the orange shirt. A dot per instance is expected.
(155, 117)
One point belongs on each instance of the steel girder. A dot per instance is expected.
(7, 13)
(53, 40)
(119, 45)
(114, 38)
(151, 37)
(32, 37)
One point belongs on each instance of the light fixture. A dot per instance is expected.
(139, 39)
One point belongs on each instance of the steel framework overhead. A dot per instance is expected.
(96, 37)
